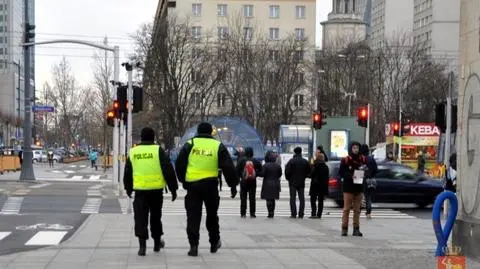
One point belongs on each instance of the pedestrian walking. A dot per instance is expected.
(420, 163)
(352, 172)
(325, 157)
(50, 158)
(93, 159)
(197, 169)
(296, 171)
(370, 181)
(147, 171)
(271, 187)
(247, 170)
(451, 174)
(319, 184)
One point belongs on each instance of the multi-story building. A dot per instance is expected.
(390, 19)
(276, 20)
(345, 24)
(12, 68)
(466, 233)
(434, 24)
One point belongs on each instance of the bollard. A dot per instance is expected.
(442, 234)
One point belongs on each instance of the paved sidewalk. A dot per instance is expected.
(107, 241)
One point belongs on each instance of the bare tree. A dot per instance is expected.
(180, 75)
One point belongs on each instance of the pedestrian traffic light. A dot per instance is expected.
(122, 99)
(362, 116)
(137, 99)
(396, 129)
(111, 117)
(318, 119)
(29, 32)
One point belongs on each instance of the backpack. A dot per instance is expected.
(249, 171)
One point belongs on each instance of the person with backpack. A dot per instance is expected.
(296, 171)
(248, 169)
(370, 181)
(271, 172)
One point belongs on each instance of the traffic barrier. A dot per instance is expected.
(10, 163)
(75, 159)
(107, 161)
(442, 234)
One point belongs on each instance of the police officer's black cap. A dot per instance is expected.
(147, 134)
(205, 128)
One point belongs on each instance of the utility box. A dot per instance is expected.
(337, 134)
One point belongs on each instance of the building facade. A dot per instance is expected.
(345, 24)
(390, 18)
(271, 20)
(12, 68)
(466, 232)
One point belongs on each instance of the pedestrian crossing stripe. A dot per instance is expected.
(281, 210)
(40, 238)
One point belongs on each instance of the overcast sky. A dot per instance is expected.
(92, 20)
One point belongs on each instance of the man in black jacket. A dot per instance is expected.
(197, 169)
(143, 176)
(370, 182)
(296, 171)
(352, 188)
(319, 184)
(248, 183)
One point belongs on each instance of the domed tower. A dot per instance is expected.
(346, 23)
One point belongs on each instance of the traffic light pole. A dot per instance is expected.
(367, 130)
(129, 68)
(448, 131)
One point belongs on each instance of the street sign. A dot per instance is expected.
(43, 109)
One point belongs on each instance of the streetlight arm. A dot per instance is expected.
(71, 41)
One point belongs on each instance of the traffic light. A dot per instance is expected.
(396, 129)
(440, 117)
(318, 119)
(137, 99)
(29, 33)
(122, 99)
(362, 116)
(110, 117)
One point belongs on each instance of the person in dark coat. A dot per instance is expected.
(451, 174)
(370, 182)
(248, 186)
(296, 171)
(320, 148)
(271, 172)
(319, 184)
(352, 187)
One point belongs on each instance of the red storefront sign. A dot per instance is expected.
(416, 129)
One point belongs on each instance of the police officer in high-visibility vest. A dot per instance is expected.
(147, 171)
(197, 168)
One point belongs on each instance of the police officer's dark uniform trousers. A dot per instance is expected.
(197, 168)
(147, 171)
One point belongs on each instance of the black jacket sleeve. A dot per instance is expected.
(288, 170)
(128, 176)
(182, 162)
(168, 171)
(258, 168)
(240, 166)
(228, 168)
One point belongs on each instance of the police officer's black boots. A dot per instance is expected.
(193, 251)
(214, 247)
(356, 231)
(158, 243)
(143, 247)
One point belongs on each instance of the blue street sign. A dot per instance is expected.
(43, 109)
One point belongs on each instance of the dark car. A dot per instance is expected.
(396, 183)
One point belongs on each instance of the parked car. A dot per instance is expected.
(396, 183)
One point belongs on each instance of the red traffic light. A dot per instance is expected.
(396, 127)
(115, 105)
(317, 117)
(363, 113)
(110, 114)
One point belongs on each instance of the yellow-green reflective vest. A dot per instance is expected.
(203, 159)
(147, 171)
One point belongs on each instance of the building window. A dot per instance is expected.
(273, 55)
(299, 78)
(196, 99)
(197, 10)
(274, 11)
(222, 54)
(274, 33)
(300, 12)
(300, 33)
(222, 10)
(221, 99)
(247, 33)
(196, 76)
(298, 100)
(222, 32)
(298, 56)
(196, 52)
(248, 11)
(196, 32)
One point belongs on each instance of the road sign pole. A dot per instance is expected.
(367, 131)
(122, 152)
(130, 108)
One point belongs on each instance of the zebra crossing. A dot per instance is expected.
(78, 178)
(30, 238)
